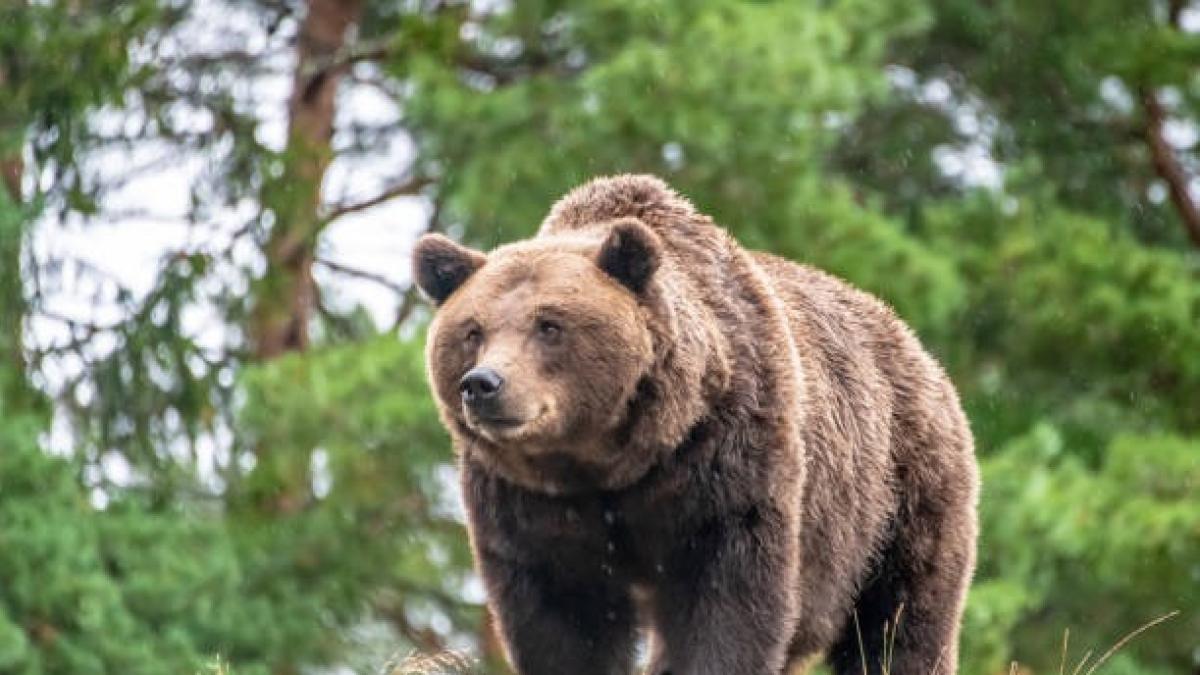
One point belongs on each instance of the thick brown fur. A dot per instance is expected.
(745, 457)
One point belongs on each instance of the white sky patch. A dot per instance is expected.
(321, 475)
(973, 165)
(1114, 92)
(1189, 20)
(1181, 134)
(936, 91)
(451, 505)
(1156, 192)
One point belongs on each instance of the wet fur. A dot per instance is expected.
(789, 458)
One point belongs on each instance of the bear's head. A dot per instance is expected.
(540, 351)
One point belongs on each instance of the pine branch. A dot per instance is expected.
(349, 271)
(407, 306)
(409, 188)
(371, 50)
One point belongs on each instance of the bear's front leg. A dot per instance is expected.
(726, 599)
(552, 623)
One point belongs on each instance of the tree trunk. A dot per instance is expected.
(1168, 168)
(12, 300)
(284, 298)
(15, 393)
(11, 170)
(1166, 164)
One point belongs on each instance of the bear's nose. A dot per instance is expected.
(480, 384)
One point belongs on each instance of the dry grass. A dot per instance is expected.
(217, 666)
(444, 663)
(1014, 668)
(1111, 650)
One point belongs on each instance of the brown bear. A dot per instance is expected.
(659, 430)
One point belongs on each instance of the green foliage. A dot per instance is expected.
(1100, 552)
(509, 148)
(1063, 328)
(350, 496)
(87, 591)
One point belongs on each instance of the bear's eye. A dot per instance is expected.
(548, 330)
(473, 337)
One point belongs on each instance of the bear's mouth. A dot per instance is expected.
(504, 427)
(499, 422)
(496, 426)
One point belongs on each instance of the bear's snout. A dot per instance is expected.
(480, 386)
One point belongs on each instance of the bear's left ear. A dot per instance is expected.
(440, 266)
(630, 254)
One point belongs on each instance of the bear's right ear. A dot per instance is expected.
(440, 266)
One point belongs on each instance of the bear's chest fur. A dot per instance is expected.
(630, 535)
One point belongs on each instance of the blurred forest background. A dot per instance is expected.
(215, 434)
